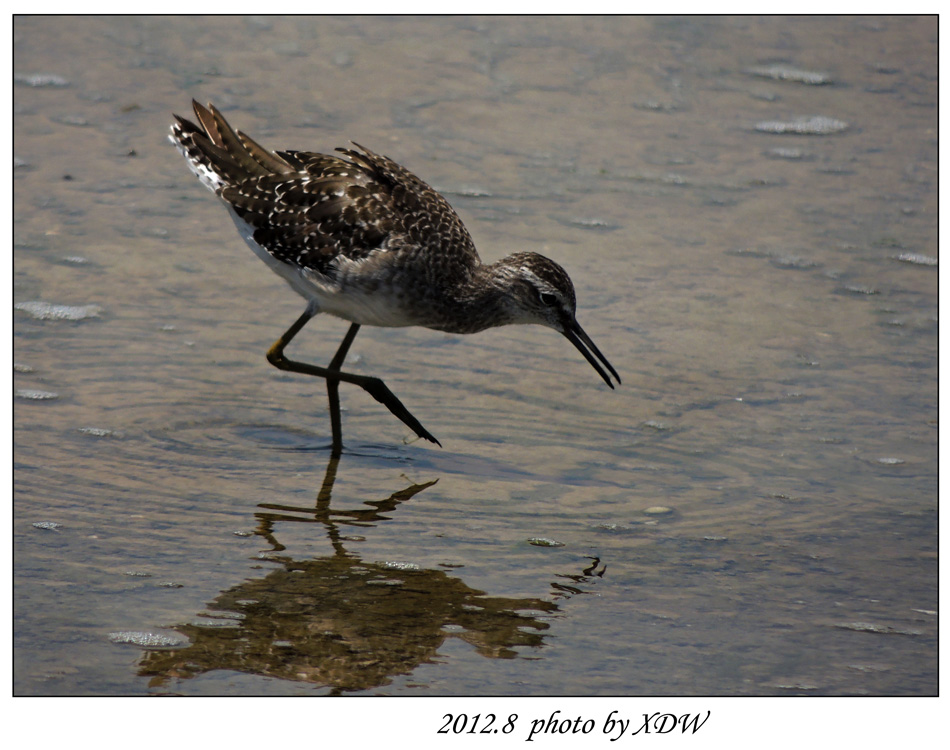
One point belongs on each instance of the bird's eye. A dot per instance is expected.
(547, 299)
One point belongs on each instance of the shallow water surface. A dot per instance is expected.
(747, 207)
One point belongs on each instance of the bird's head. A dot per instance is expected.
(540, 291)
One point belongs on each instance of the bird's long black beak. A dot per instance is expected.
(575, 334)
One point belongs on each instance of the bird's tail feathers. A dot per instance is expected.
(220, 156)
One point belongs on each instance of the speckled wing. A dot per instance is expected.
(428, 219)
(311, 217)
(312, 210)
(330, 207)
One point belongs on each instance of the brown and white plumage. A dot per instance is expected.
(362, 238)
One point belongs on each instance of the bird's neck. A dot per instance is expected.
(482, 300)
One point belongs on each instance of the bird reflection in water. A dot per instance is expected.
(344, 623)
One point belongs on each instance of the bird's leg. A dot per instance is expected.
(373, 386)
(333, 388)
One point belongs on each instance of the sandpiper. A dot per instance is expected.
(364, 239)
